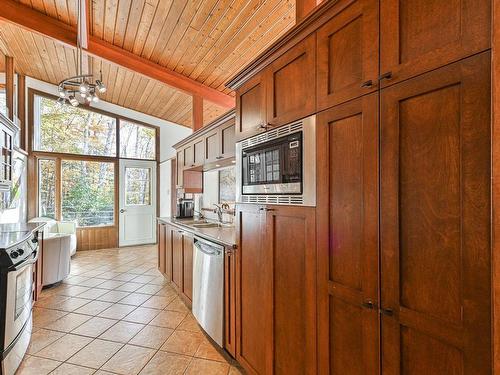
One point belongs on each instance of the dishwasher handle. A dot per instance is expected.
(206, 248)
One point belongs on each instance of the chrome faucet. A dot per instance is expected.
(218, 211)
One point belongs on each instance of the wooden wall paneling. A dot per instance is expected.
(291, 84)
(418, 36)
(347, 238)
(435, 223)
(9, 86)
(495, 253)
(348, 53)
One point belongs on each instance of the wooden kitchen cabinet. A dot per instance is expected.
(251, 108)
(347, 53)
(227, 140)
(189, 156)
(177, 260)
(276, 289)
(347, 225)
(230, 301)
(162, 251)
(199, 152)
(291, 84)
(187, 262)
(435, 221)
(212, 146)
(180, 168)
(421, 35)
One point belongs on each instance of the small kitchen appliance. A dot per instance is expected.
(185, 209)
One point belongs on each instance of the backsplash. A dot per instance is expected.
(219, 186)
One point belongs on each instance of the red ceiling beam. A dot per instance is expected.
(32, 20)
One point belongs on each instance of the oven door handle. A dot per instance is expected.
(26, 263)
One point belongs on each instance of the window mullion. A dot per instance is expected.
(58, 190)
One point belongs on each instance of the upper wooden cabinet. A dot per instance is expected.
(251, 108)
(291, 84)
(347, 53)
(198, 152)
(227, 140)
(189, 156)
(417, 36)
(435, 221)
(180, 168)
(212, 146)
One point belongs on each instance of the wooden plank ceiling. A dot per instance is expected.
(206, 40)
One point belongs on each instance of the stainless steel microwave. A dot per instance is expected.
(278, 166)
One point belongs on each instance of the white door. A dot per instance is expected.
(137, 202)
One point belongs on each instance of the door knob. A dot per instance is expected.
(122, 211)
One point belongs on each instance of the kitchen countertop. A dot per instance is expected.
(13, 234)
(223, 235)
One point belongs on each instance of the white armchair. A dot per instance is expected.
(59, 245)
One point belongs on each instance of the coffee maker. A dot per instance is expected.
(185, 209)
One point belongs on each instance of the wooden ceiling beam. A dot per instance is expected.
(32, 20)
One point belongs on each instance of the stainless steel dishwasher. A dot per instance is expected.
(208, 287)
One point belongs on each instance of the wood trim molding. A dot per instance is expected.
(9, 86)
(495, 187)
(304, 7)
(32, 20)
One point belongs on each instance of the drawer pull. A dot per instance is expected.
(367, 84)
(387, 76)
(387, 312)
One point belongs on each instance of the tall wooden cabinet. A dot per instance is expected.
(435, 221)
(347, 224)
(276, 289)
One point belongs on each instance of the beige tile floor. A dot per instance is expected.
(116, 314)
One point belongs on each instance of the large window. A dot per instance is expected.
(136, 141)
(88, 192)
(47, 188)
(137, 186)
(66, 129)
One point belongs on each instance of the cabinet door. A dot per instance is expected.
(227, 140)
(162, 231)
(199, 152)
(230, 302)
(435, 222)
(212, 147)
(290, 246)
(291, 84)
(177, 266)
(187, 287)
(251, 108)
(347, 217)
(418, 36)
(347, 53)
(180, 168)
(168, 252)
(189, 156)
(254, 306)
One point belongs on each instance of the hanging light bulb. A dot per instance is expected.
(60, 102)
(84, 87)
(62, 92)
(73, 101)
(101, 87)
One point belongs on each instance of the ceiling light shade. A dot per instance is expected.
(84, 87)
(73, 101)
(101, 87)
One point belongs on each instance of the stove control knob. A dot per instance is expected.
(20, 251)
(14, 254)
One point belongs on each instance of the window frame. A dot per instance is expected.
(33, 170)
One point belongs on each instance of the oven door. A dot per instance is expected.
(19, 298)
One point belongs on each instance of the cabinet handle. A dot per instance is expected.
(367, 84)
(219, 157)
(387, 76)
(368, 304)
(387, 312)
(266, 209)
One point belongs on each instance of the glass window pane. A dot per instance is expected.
(66, 129)
(137, 141)
(137, 186)
(3, 101)
(88, 192)
(47, 188)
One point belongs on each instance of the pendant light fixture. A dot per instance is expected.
(81, 88)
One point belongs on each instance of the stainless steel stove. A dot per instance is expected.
(19, 252)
